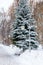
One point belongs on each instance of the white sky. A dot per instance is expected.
(5, 4)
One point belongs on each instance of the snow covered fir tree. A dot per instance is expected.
(24, 32)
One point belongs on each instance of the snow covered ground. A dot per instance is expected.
(7, 57)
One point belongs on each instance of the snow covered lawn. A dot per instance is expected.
(35, 57)
(7, 60)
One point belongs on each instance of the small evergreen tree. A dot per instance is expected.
(24, 33)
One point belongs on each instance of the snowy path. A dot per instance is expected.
(7, 57)
(27, 58)
(7, 60)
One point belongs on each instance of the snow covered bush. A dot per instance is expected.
(24, 33)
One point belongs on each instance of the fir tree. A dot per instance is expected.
(24, 33)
